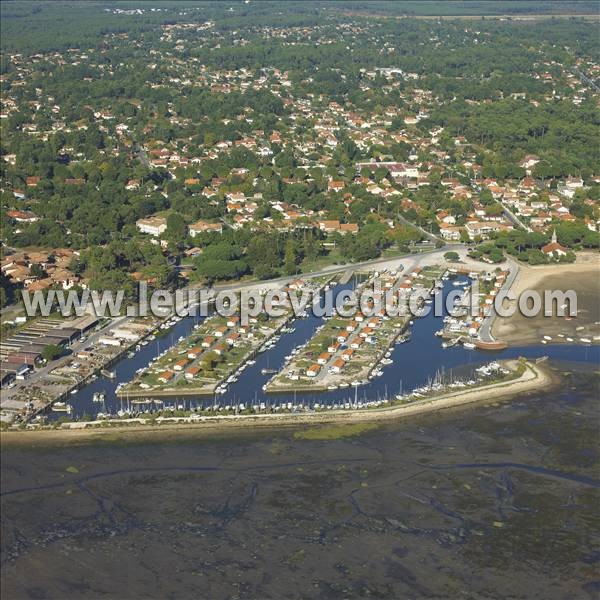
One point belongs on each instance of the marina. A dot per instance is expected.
(353, 348)
(212, 355)
(415, 362)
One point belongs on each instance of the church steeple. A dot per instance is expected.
(554, 236)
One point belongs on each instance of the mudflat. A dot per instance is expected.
(583, 278)
(503, 496)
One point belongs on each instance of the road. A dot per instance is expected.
(515, 220)
(586, 79)
(485, 331)
(430, 236)
(142, 156)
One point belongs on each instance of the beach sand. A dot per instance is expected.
(536, 377)
(583, 277)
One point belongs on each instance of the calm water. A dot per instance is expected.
(414, 363)
(489, 502)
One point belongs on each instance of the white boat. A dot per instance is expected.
(355, 383)
(469, 345)
(62, 407)
(586, 340)
(332, 387)
(98, 397)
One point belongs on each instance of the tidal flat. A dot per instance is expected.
(582, 278)
(495, 501)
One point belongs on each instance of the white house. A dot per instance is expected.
(152, 225)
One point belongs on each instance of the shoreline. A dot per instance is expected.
(536, 377)
(518, 330)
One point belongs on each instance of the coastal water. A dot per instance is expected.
(488, 502)
(415, 362)
(492, 502)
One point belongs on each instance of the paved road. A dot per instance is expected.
(430, 236)
(515, 220)
(485, 331)
(585, 79)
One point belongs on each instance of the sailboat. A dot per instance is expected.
(266, 370)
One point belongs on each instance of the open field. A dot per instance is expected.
(582, 277)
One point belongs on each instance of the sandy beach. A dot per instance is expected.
(536, 377)
(583, 277)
